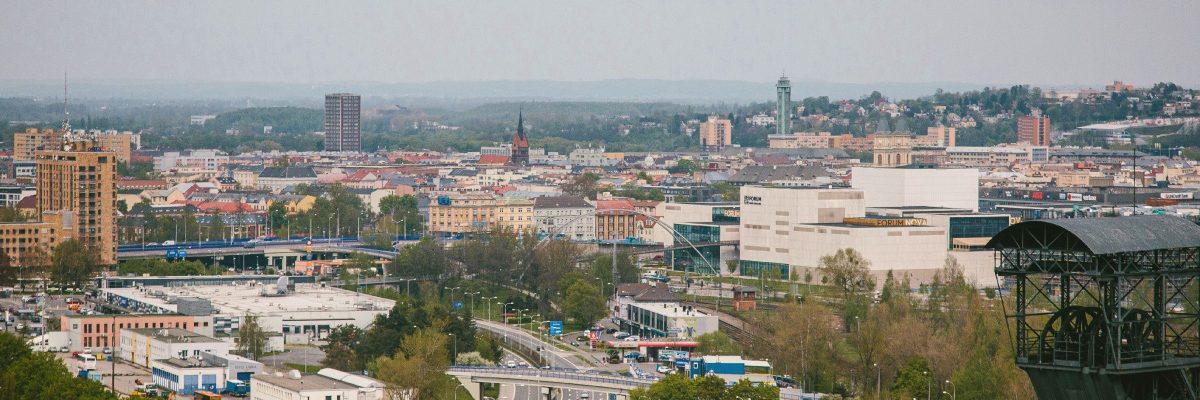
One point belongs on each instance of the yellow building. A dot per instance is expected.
(451, 213)
(892, 150)
(31, 243)
(515, 213)
(83, 182)
(716, 133)
(27, 144)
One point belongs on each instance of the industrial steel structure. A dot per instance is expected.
(1105, 308)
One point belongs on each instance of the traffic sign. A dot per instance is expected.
(555, 328)
(458, 305)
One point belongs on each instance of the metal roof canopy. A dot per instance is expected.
(1101, 236)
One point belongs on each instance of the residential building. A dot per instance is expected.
(141, 346)
(515, 213)
(941, 136)
(803, 140)
(1034, 129)
(343, 116)
(459, 213)
(31, 243)
(205, 161)
(11, 194)
(566, 217)
(276, 179)
(588, 157)
(716, 133)
(26, 144)
(83, 182)
(616, 220)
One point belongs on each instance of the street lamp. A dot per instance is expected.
(454, 356)
(877, 381)
(928, 386)
(505, 311)
(953, 392)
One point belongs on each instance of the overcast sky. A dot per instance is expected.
(1042, 42)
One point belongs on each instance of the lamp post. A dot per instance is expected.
(504, 311)
(454, 356)
(928, 386)
(953, 392)
(877, 381)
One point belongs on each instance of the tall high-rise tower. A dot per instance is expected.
(783, 117)
(343, 115)
(520, 143)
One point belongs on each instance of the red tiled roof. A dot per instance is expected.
(493, 159)
(28, 202)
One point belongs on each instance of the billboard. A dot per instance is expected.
(1176, 196)
(555, 328)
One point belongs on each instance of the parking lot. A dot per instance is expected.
(125, 373)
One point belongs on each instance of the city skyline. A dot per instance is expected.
(1051, 44)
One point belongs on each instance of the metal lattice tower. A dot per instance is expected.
(1104, 308)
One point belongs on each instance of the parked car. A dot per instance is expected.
(621, 335)
(633, 338)
(510, 364)
(663, 369)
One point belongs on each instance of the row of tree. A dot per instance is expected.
(70, 264)
(945, 336)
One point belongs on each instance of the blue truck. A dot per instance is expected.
(236, 388)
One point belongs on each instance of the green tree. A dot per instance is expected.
(914, 378)
(584, 304)
(252, 338)
(73, 264)
(847, 270)
(680, 387)
(717, 343)
(687, 165)
(11, 214)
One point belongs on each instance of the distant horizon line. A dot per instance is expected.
(58, 81)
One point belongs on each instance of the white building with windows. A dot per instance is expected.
(326, 384)
(570, 217)
(144, 346)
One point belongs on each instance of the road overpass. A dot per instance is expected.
(556, 379)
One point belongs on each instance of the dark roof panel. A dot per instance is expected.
(1109, 235)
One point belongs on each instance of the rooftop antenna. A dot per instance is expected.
(66, 123)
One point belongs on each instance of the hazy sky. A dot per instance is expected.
(1045, 42)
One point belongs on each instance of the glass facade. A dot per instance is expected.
(975, 227)
(767, 269)
(687, 260)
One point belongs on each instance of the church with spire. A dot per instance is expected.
(520, 143)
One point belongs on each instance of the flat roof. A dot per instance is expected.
(174, 335)
(240, 299)
(669, 309)
(304, 384)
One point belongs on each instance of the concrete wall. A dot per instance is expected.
(907, 187)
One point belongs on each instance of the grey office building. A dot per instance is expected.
(343, 116)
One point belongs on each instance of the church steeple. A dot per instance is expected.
(521, 124)
(520, 142)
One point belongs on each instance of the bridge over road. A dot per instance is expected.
(558, 379)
